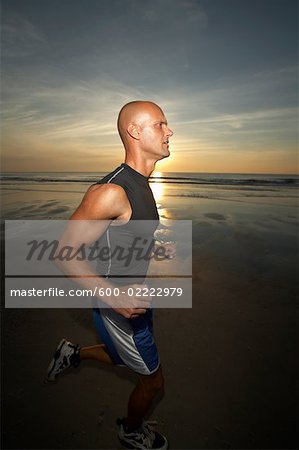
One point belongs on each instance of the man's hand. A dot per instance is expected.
(130, 313)
(130, 303)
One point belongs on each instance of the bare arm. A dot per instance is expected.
(100, 205)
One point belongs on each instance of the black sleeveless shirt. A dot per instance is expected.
(127, 239)
(137, 189)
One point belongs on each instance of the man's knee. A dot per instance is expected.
(153, 383)
(158, 381)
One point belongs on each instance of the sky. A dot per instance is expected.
(225, 73)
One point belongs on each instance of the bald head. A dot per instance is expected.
(135, 113)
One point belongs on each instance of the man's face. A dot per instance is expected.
(155, 134)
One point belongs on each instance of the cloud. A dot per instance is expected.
(69, 110)
(171, 13)
(238, 121)
(20, 38)
(62, 89)
(259, 98)
(82, 114)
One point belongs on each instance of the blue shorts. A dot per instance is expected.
(130, 342)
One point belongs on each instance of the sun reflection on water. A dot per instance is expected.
(159, 192)
(157, 188)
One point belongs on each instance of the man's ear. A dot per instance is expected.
(133, 131)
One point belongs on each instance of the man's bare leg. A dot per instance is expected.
(144, 393)
(97, 352)
(142, 397)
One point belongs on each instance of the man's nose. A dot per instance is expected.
(169, 132)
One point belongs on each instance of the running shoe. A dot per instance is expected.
(65, 356)
(143, 438)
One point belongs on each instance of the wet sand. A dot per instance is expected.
(230, 362)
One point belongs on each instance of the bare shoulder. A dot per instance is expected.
(102, 201)
(105, 189)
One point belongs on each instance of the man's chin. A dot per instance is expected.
(163, 156)
(166, 155)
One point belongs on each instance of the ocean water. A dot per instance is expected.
(245, 224)
(182, 178)
(55, 195)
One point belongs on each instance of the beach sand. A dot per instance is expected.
(230, 363)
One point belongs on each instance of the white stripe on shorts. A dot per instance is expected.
(121, 333)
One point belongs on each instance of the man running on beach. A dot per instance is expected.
(127, 330)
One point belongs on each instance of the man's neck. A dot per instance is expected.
(143, 167)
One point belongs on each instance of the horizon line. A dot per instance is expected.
(162, 171)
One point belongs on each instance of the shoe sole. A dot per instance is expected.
(53, 362)
(125, 446)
